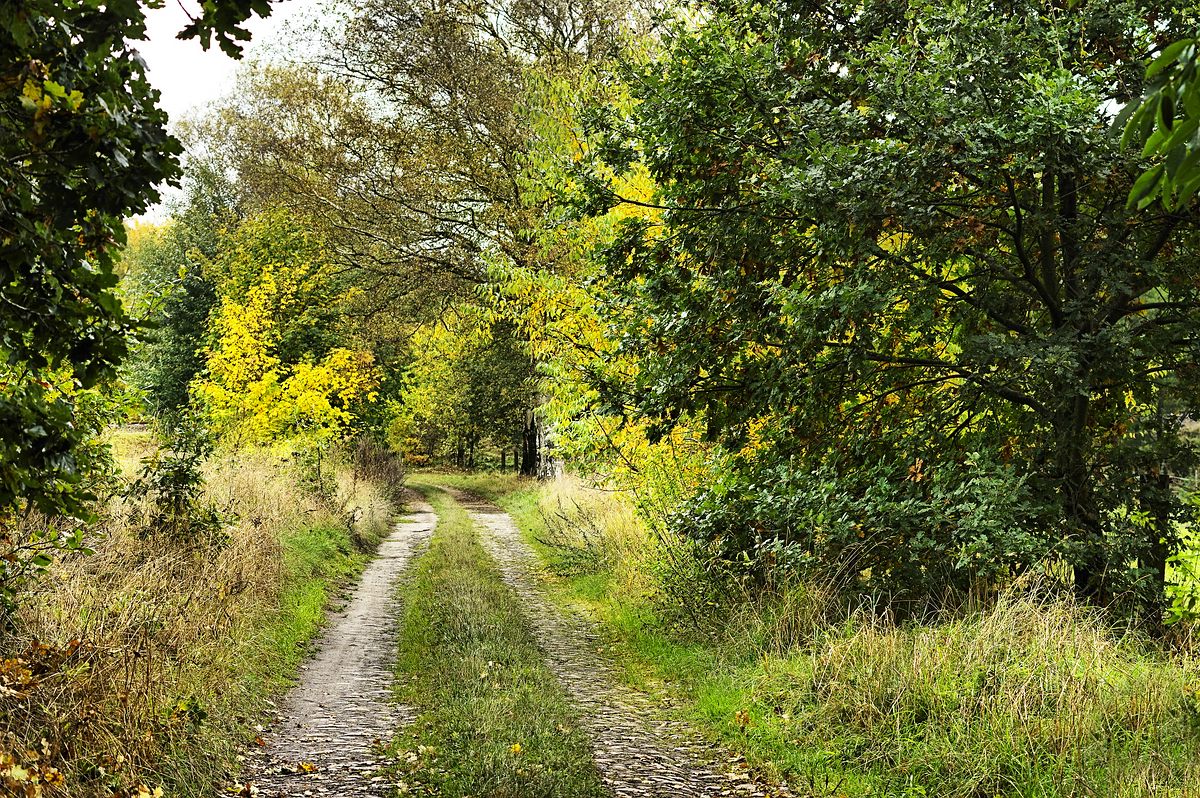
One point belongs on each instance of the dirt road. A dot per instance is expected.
(325, 740)
(639, 752)
(331, 723)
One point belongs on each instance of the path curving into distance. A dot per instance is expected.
(639, 753)
(330, 724)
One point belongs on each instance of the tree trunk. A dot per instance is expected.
(529, 446)
(458, 455)
(503, 459)
(1079, 504)
(471, 439)
(1158, 550)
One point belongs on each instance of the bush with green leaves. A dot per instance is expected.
(893, 269)
(32, 538)
(170, 486)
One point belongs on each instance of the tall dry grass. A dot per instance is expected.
(1025, 697)
(159, 652)
(591, 529)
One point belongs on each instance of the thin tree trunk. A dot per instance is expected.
(1079, 504)
(529, 446)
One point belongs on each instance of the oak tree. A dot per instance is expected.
(896, 275)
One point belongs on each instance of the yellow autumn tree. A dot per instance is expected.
(279, 366)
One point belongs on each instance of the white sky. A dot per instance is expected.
(188, 76)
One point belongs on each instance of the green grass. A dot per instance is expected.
(496, 488)
(318, 563)
(493, 721)
(1037, 701)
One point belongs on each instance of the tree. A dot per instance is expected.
(164, 280)
(896, 277)
(83, 146)
(409, 144)
(406, 142)
(278, 364)
(470, 385)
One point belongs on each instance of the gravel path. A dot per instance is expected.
(639, 752)
(329, 724)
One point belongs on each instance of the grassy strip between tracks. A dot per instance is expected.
(493, 722)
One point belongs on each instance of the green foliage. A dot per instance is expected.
(222, 20)
(469, 386)
(171, 483)
(894, 275)
(83, 146)
(83, 472)
(1165, 122)
(164, 283)
(66, 77)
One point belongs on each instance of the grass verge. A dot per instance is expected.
(1025, 698)
(150, 660)
(493, 721)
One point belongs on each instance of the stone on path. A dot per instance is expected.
(331, 723)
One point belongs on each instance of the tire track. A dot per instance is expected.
(639, 753)
(333, 720)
